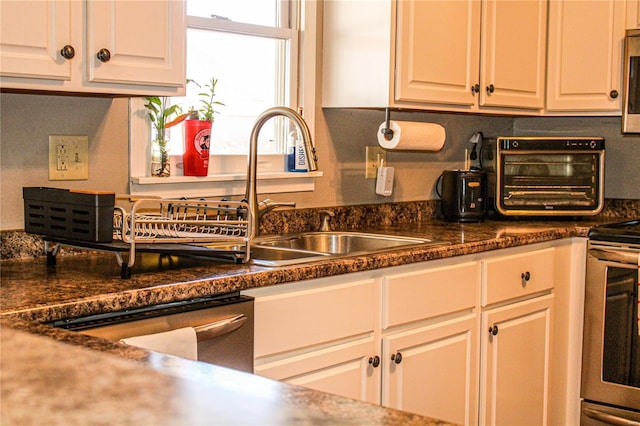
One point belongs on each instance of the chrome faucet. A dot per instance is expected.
(251, 195)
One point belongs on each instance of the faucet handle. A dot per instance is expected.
(268, 205)
(325, 217)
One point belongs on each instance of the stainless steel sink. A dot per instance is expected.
(309, 246)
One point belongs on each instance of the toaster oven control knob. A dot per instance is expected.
(613, 94)
(68, 52)
(374, 361)
(397, 357)
(491, 88)
(493, 330)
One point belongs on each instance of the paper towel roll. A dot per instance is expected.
(413, 136)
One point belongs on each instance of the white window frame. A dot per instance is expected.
(229, 178)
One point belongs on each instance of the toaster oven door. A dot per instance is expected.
(550, 183)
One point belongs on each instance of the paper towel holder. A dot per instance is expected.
(386, 131)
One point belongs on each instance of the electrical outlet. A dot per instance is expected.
(374, 154)
(68, 157)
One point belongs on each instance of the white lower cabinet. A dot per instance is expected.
(515, 363)
(342, 369)
(434, 370)
(467, 340)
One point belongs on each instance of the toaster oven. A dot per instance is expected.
(544, 176)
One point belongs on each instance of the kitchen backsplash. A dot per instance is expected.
(20, 245)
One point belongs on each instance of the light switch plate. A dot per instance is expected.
(68, 157)
(373, 156)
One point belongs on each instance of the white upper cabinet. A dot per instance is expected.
(110, 47)
(466, 55)
(532, 57)
(585, 55)
(513, 53)
(429, 69)
(32, 34)
(633, 14)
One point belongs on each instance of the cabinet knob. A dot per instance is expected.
(491, 88)
(525, 276)
(493, 330)
(613, 94)
(68, 52)
(103, 55)
(475, 88)
(397, 357)
(374, 361)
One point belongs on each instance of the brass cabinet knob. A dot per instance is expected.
(68, 52)
(374, 361)
(103, 55)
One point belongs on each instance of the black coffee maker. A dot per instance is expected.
(463, 195)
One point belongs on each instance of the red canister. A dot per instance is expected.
(197, 140)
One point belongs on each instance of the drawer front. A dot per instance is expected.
(510, 277)
(430, 293)
(298, 319)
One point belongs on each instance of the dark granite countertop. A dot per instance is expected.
(137, 386)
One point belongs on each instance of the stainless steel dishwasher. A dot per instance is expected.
(223, 326)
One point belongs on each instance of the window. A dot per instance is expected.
(252, 48)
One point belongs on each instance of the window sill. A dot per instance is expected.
(220, 185)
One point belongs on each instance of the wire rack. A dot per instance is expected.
(222, 226)
(173, 220)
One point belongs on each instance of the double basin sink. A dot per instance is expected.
(310, 246)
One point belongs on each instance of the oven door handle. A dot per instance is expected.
(608, 418)
(618, 256)
(219, 328)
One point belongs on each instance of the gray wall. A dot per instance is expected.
(26, 121)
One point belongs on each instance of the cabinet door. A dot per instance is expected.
(513, 53)
(145, 41)
(585, 67)
(514, 377)
(437, 51)
(633, 14)
(437, 374)
(32, 33)
(350, 369)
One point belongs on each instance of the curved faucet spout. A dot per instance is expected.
(251, 194)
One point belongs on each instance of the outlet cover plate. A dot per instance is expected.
(68, 157)
(373, 156)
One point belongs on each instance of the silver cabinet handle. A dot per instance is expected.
(609, 418)
(219, 328)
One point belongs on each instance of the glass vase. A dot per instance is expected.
(160, 166)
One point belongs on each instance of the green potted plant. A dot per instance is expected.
(163, 115)
(197, 130)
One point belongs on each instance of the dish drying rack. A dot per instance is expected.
(203, 227)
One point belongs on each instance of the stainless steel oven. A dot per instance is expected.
(544, 176)
(611, 344)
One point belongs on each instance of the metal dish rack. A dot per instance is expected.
(212, 228)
